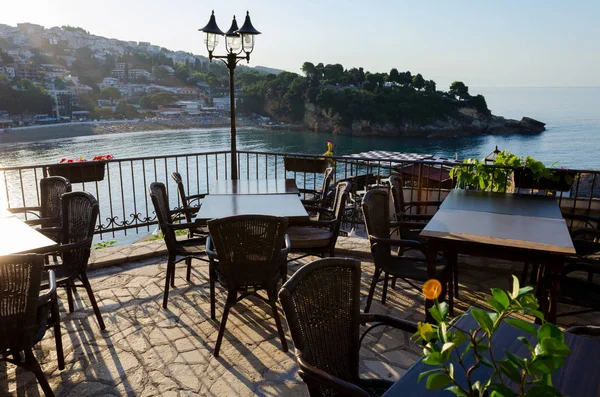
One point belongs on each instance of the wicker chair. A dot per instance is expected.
(247, 254)
(321, 302)
(191, 248)
(592, 331)
(318, 197)
(574, 289)
(48, 213)
(318, 237)
(375, 208)
(79, 214)
(190, 204)
(25, 315)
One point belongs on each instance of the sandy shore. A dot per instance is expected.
(56, 131)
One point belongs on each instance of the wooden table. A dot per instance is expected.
(253, 186)
(577, 377)
(219, 206)
(514, 227)
(16, 237)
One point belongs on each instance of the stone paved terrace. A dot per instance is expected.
(148, 351)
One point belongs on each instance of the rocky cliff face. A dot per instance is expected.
(467, 122)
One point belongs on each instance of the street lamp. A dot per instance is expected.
(237, 40)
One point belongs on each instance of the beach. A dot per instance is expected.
(68, 130)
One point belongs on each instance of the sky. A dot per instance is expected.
(485, 43)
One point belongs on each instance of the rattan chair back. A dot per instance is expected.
(51, 190)
(20, 279)
(342, 189)
(376, 207)
(160, 199)
(327, 178)
(396, 186)
(321, 302)
(79, 216)
(182, 196)
(249, 248)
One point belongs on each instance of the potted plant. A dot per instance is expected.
(457, 356)
(81, 170)
(528, 174)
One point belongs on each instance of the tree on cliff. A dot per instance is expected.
(418, 82)
(458, 89)
(429, 86)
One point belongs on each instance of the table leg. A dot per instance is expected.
(432, 250)
(556, 269)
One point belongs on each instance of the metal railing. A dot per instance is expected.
(126, 209)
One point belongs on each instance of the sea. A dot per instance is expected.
(572, 138)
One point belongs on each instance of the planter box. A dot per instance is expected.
(524, 180)
(309, 165)
(88, 171)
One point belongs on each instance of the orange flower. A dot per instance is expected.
(432, 289)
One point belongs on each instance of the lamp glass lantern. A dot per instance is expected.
(233, 40)
(212, 33)
(247, 33)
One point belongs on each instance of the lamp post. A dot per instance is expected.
(236, 41)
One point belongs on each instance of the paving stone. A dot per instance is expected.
(149, 351)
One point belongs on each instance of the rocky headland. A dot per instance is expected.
(468, 121)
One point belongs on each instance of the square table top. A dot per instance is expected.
(577, 377)
(253, 186)
(509, 220)
(220, 206)
(16, 237)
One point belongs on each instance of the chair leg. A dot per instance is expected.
(167, 281)
(455, 274)
(376, 276)
(34, 366)
(212, 277)
(69, 288)
(524, 273)
(228, 306)
(450, 288)
(386, 278)
(57, 334)
(90, 292)
(273, 303)
(394, 282)
(534, 274)
(173, 265)
(188, 262)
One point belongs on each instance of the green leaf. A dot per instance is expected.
(444, 308)
(525, 290)
(486, 361)
(459, 338)
(431, 371)
(522, 325)
(501, 390)
(501, 297)
(543, 391)
(518, 361)
(435, 313)
(526, 342)
(516, 287)
(555, 347)
(434, 358)
(451, 370)
(447, 346)
(509, 369)
(550, 331)
(437, 381)
(495, 304)
(483, 319)
(535, 313)
(457, 391)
